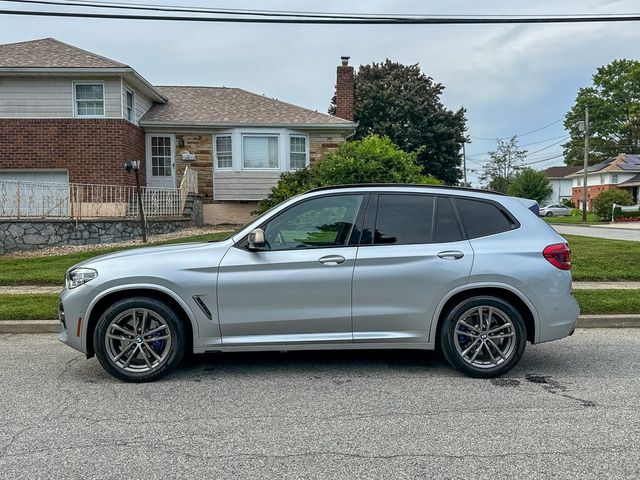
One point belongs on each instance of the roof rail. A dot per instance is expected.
(365, 185)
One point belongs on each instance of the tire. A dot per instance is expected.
(549, 214)
(132, 356)
(475, 352)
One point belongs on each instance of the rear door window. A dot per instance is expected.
(447, 228)
(404, 219)
(482, 218)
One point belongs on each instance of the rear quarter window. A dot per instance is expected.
(481, 218)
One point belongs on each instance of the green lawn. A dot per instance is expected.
(50, 270)
(45, 307)
(608, 301)
(598, 259)
(591, 219)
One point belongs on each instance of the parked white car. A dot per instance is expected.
(556, 210)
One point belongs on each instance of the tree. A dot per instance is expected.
(373, 159)
(602, 205)
(503, 164)
(530, 183)
(614, 114)
(402, 103)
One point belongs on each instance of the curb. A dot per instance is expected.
(584, 321)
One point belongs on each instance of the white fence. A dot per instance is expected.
(83, 201)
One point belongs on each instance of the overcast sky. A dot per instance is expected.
(511, 79)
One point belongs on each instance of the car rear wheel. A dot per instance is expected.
(483, 337)
(549, 214)
(139, 340)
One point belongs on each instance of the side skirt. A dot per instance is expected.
(318, 346)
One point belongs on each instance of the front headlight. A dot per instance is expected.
(79, 276)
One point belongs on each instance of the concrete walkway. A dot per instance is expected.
(610, 233)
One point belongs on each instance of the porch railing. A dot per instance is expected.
(86, 201)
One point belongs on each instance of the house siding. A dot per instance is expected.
(51, 97)
(142, 103)
(92, 150)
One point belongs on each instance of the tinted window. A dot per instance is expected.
(482, 218)
(320, 222)
(403, 219)
(446, 225)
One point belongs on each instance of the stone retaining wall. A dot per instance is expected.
(18, 235)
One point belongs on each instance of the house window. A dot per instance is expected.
(89, 99)
(161, 157)
(260, 151)
(223, 152)
(129, 106)
(614, 178)
(297, 152)
(601, 179)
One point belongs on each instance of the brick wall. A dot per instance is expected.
(592, 192)
(92, 150)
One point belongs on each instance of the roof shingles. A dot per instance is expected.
(51, 53)
(232, 107)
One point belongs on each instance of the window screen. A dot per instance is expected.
(403, 219)
(482, 218)
(446, 224)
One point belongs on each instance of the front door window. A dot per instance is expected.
(161, 156)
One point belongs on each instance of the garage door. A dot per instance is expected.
(33, 193)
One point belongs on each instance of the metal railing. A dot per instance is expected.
(85, 201)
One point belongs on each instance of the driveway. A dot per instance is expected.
(599, 232)
(569, 410)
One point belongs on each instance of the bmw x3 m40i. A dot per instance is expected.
(474, 273)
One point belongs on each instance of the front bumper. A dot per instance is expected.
(71, 313)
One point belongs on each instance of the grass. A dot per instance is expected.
(28, 307)
(608, 301)
(45, 307)
(597, 259)
(50, 270)
(591, 219)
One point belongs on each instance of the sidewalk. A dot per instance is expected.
(43, 290)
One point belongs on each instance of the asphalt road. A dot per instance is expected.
(599, 232)
(569, 410)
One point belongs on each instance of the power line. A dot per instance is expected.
(338, 20)
(519, 134)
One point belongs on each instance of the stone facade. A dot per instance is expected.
(201, 145)
(320, 143)
(18, 235)
(92, 150)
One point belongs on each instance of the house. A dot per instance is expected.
(560, 183)
(622, 171)
(72, 116)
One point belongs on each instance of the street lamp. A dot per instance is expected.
(134, 165)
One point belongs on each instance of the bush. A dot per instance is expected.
(576, 212)
(373, 159)
(529, 183)
(603, 203)
(620, 216)
(568, 203)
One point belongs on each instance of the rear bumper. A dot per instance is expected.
(556, 306)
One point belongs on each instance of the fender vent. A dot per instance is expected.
(203, 306)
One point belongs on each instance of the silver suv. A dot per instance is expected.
(473, 273)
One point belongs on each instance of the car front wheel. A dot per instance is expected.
(483, 337)
(549, 214)
(139, 339)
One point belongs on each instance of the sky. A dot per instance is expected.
(512, 79)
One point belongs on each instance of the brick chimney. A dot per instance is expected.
(344, 90)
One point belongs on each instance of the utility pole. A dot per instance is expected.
(586, 164)
(464, 162)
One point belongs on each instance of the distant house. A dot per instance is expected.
(622, 171)
(560, 183)
(68, 115)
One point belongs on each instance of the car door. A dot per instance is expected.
(412, 253)
(298, 289)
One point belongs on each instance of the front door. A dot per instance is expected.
(412, 254)
(297, 290)
(161, 162)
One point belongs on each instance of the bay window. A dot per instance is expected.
(297, 152)
(224, 152)
(260, 152)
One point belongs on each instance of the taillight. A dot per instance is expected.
(559, 255)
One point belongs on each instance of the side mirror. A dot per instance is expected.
(256, 239)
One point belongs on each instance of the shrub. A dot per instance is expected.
(373, 159)
(603, 203)
(568, 203)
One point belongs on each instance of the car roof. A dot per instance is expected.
(402, 185)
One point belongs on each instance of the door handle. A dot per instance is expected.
(332, 259)
(451, 255)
